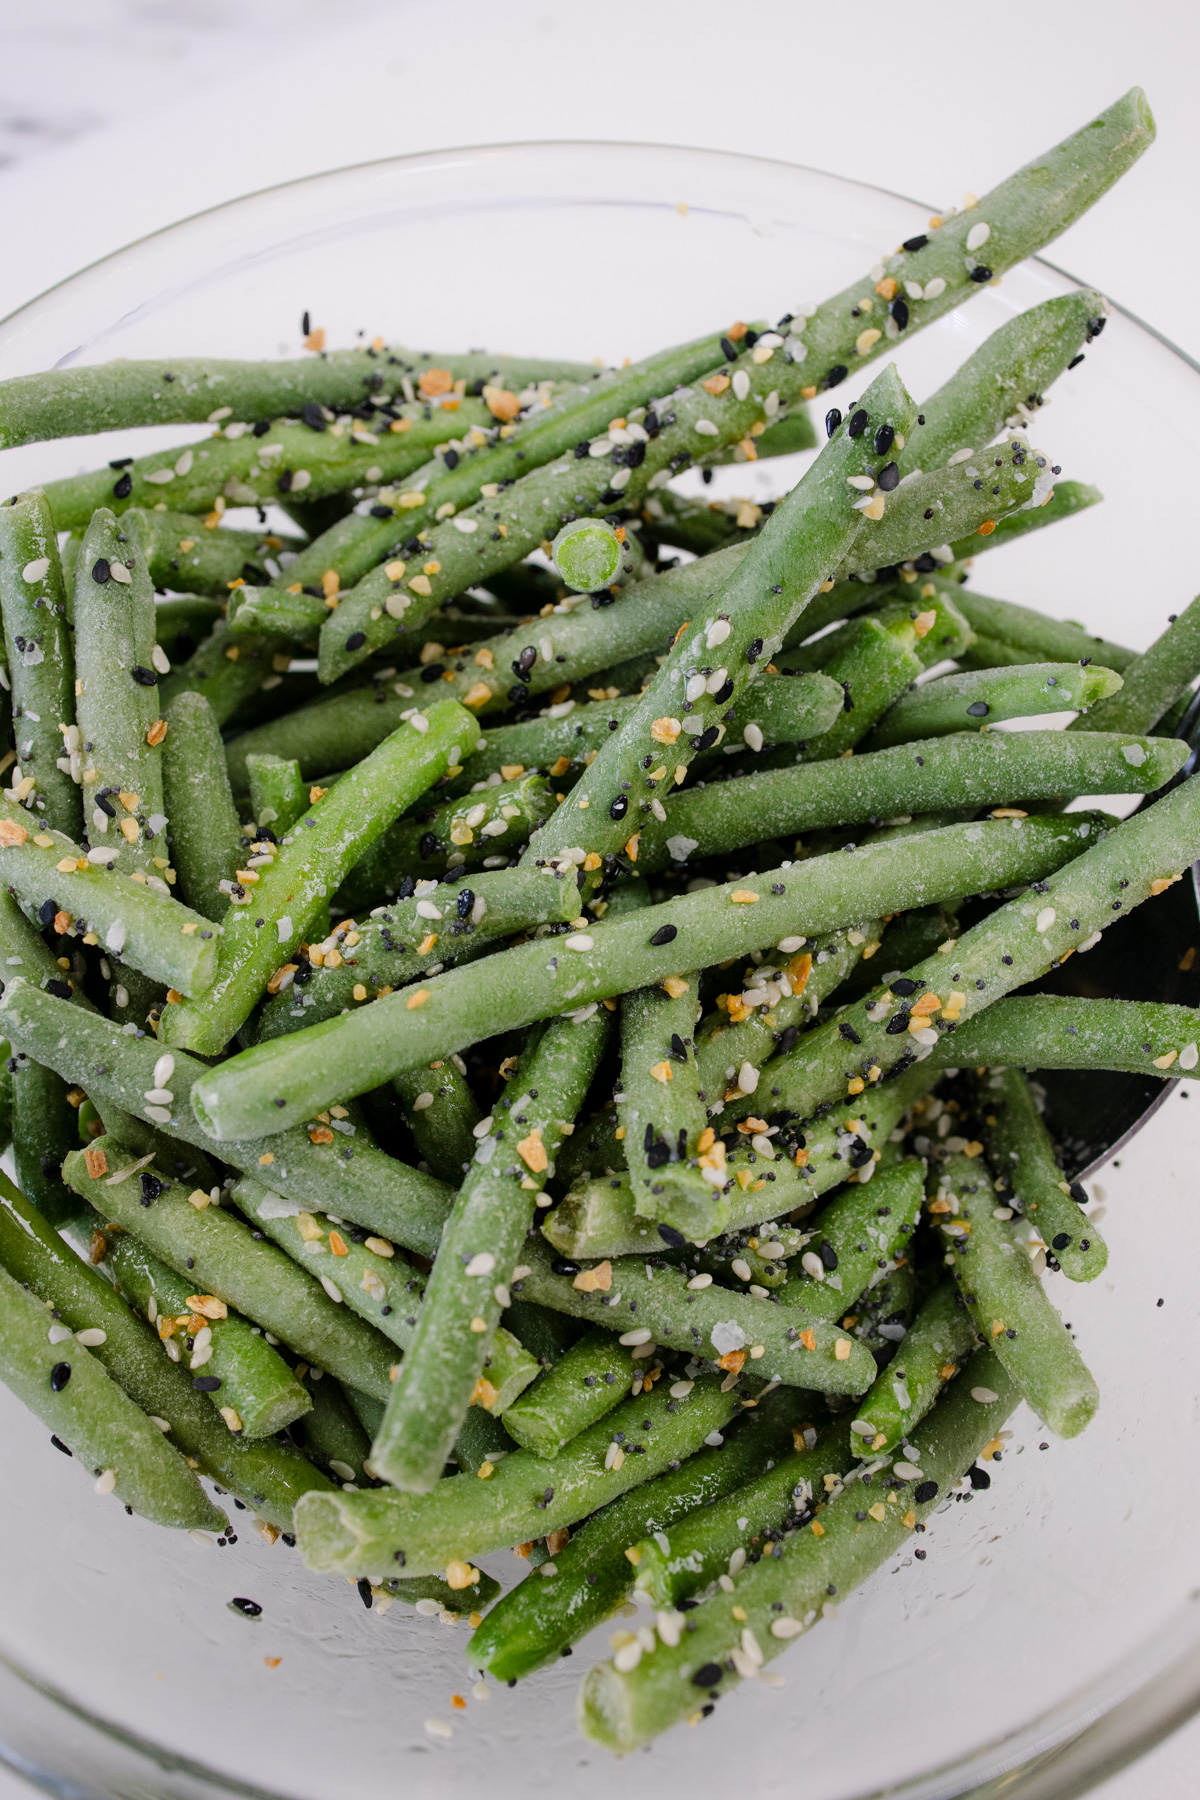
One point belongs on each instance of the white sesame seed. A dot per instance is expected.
(695, 1284)
(627, 1657)
(107, 1482)
(717, 632)
(482, 1263)
(33, 571)
(747, 1079)
(984, 1395)
(696, 687)
(92, 1338)
(863, 482)
(786, 1627)
(753, 736)
(438, 1728)
(681, 1389)
(332, 1289)
(978, 236)
(58, 1334)
(741, 384)
(960, 456)
(706, 428)
(741, 1268)
(1046, 918)
(935, 289)
(579, 940)
(789, 945)
(641, 1335)
(907, 1471)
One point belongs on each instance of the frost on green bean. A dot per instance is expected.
(978, 699)
(1028, 1176)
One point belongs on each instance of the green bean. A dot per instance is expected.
(453, 1602)
(1027, 1175)
(117, 701)
(1015, 944)
(481, 1246)
(1005, 1299)
(442, 1115)
(1155, 680)
(527, 1495)
(247, 1382)
(784, 437)
(206, 839)
(229, 674)
(110, 396)
(671, 1566)
(909, 938)
(478, 831)
(792, 1346)
(1067, 499)
(99, 1424)
(341, 826)
(851, 1248)
(43, 1133)
(249, 470)
(1001, 383)
(546, 1335)
(178, 624)
(782, 1596)
(329, 1434)
(806, 535)
(236, 1267)
(314, 1167)
(448, 485)
(6, 1095)
(1049, 1031)
(264, 1475)
(598, 1220)
(582, 1387)
(751, 1026)
(186, 557)
(356, 1052)
(760, 1263)
(539, 1619)
(387, 951)
(1029, 636)
(481, 1439)
(956, 702)
(364, 1273)
(662, 1111)
(964, 770)
(49, 874)
(784, 712)
(40, 659)
(936, 1344)
(278, 795)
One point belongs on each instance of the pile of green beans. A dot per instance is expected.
(500, 1035)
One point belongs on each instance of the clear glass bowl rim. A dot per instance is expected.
(1134, 1706)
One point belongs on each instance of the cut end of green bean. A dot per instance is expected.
(587, 554)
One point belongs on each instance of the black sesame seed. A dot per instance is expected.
(980, 273)
(665, 934)
(833, 419)
(884, 438)
(915, 243)
(60, 1374)
(249, 1609)
(978, 709)
(356, 640)
(101, 570)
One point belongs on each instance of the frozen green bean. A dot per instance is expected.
(274, 913)
(671, 1566)
(932, 1350)
(117, 700)
(540, 1618)
(206, 837)
(1029, 636)
(379, 1533)
(1156, 679)
(101, 1427)
(356, 1052)
(1011, 946)
(278, 794)
(1006, 1301)
(480, 1250)
(583, 1386)
(463, 922)
(41, 661)
(963, 770)
(856, 1240)
(263, 1474)
(235, 1266)
(977, 699)
(110, 396)
(478, 831)
(316, 1166)
(442, 1114)
(51, 876)
(247, 1381)
(1028, 1176)
(185, 556)
(43, 1135)
(780, 1343)
(1051, 1031)
(662, 1111)
(623, 1706)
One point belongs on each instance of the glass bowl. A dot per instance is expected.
(1052, 1633)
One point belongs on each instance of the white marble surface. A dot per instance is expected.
(118, 116)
